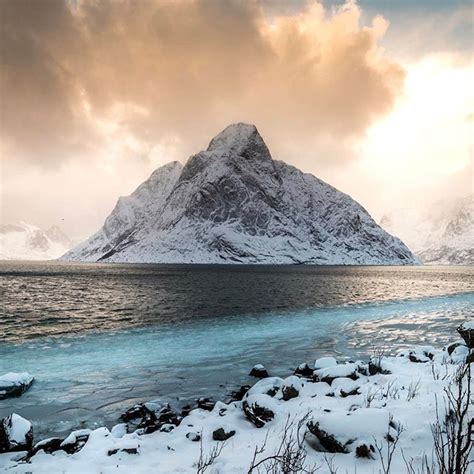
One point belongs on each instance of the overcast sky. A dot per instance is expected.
(375, 97)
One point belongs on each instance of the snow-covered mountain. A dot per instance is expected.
(28, 242)
(233, 203)
(442, 233)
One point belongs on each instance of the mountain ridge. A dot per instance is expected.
(233, 203)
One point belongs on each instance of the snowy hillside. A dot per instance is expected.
(233, 203)
(440, 234)
(28, 242)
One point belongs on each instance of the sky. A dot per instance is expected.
(375, 97)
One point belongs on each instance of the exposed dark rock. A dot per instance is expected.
(75, 441)
(221, 435)
(289, 392)
(375, 369)
(148, 421)
(111, 452)
(327, 441)
(304, 370)
(259, 371)
(451, 347)
(468, 335)
(257, 414)
(238, 395)
(344, 394)
(16, 434)
(186, 410)
(10, 390)
(49, 445)
(192, 436)
(206, 404)
(364, 451)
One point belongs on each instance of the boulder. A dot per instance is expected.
(364, 451)
(16, 434)
(221, 435)
(466, 331)
(258, 409)
(111, 452)
(304, 370)
(259, 371)
(328, 374)
(238, 395)
(75, 441)
(206, 404)
(48, 445)
(193, 436)
(144, 418)
(14, 384)
(325, 439)
(324, 362)
(291, 388)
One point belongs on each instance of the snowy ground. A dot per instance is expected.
(340, 407)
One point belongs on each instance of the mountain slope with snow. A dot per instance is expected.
(28, 242)
(233, 203)
(439, 234)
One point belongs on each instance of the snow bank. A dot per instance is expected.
(350, 413)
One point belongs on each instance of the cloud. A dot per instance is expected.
(76, 72)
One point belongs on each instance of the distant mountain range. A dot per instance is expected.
(439, 234)
(233, 203)
(28, 242)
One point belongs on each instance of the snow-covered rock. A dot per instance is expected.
(14, 384)
(28, 242)
(233, 203)
(442, 233)
(16, 434)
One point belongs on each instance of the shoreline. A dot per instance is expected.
(337, 401)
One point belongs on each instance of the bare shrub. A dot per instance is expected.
(386, 452)
(453, 430)
(205, 461)
(290, 456)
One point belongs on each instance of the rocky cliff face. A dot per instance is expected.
(439, 234)
(233, 203)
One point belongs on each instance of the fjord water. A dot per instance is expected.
(99, 338)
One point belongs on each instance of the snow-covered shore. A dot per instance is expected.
(348, 416)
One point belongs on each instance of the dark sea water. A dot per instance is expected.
(100, 337)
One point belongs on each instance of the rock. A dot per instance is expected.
(256, 411)
(49, 445)
(193, 436)
(206, 404)
(119, 431)
(325, 362)
(364, 451)
(16, 434)
(268, 386)
(466, 331)
(328, 374)
(327, 441)
(141, 417)
(291, 388)
(354, 391)
(186, 410)
(75, 441)
(111, 452)
(238, 395)
(259, 371)
(451, 347)
(221, 435)
(14, 384)
(304, 370)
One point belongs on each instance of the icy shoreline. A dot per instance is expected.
(331, 415)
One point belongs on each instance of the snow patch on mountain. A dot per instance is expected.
(233, 203)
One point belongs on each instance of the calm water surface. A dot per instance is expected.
(99, 337)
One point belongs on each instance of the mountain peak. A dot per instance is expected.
(242, 139)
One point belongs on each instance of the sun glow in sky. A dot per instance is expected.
(374, 97)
